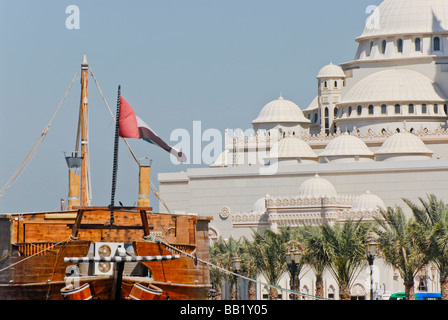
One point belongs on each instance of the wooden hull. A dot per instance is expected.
(35, 270)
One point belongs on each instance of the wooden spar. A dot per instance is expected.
(84, 123)
(73, 193)
(115, 165)
(144, 185)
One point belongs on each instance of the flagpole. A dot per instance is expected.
(115, 165)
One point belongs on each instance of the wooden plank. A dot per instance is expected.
(60, 216)
(120, 208)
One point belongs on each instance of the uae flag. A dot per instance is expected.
(131, 126)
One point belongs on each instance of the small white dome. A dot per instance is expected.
(259, 205)
(331, 71)
(403, 143)
(346, 145)
(295, 148)
(394, 85)
(368, 202)
(317, 187)
(281, 111)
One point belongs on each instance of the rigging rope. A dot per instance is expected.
(36, 145)
(235, 274)
(37, 253)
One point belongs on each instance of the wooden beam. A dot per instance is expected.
(104, 226)
(144, 223)
(75, 229)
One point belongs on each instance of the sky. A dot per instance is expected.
(179, 63)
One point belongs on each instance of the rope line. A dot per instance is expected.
(37, 253)
(236, 274)
(36, 145)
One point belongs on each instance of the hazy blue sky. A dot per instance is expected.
(178, 61)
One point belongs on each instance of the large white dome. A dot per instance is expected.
(394, 85)
(281, 111)
(317, 187)
(400, 17)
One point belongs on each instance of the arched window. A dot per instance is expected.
(315, 118)
(371, 109)
(359, 110)
(335, 84)
(445, 108)
(424, 108)
(335, 112)
(418, 44)
(350, 111)
(383, 109)
(436, 108)
(436, 44)
(370, 48)
(411, 108)
(325, 84)
(327, 121)
(397, 109)
(383, 46)
(400, 45)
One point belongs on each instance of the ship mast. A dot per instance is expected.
(83, 130)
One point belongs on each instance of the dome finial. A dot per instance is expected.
(281, 96)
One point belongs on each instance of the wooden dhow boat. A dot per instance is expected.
(85, 252)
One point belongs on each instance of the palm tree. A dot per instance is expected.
(399, 247)
(344, 245)
(249, 268)
(221, 254)
(268, 248)
(431, 231)
(316, 255)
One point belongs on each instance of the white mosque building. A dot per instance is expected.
(376, 132)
